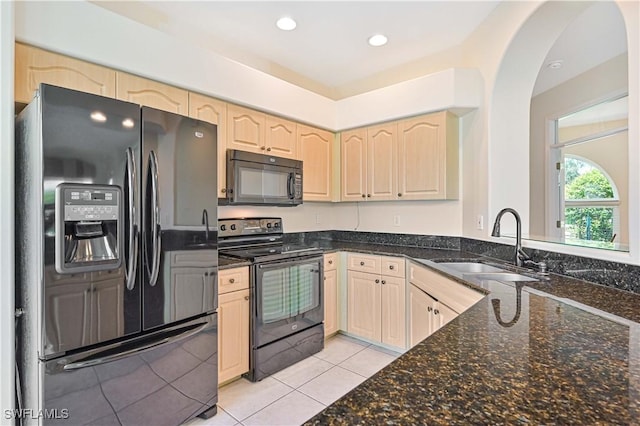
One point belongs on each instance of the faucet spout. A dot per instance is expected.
(520, 255)
(205, 222)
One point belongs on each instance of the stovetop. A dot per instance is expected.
(258, 240)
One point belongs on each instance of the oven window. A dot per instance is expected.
(288, 291)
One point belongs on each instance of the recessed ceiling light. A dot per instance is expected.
(554, 65)
(377, 40)
(98, 116)
(285, 23)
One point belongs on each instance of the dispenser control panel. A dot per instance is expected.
(90, 203)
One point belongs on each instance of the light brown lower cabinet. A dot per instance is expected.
(427, 315)
(376, 307)
(233, 324)
(330, 302)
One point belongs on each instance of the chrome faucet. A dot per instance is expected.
(205, 222)
(520, 255)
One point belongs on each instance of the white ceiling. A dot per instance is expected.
(328, 51)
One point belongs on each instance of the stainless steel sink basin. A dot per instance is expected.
(500, 276)
(470, 267)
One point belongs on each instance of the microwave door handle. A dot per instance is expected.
(132, 262)
(291, 186)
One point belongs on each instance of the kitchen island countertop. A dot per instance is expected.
(572, 355)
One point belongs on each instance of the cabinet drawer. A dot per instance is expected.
(456, 296)
(330, 261)
(233, 279)
(363, 263)
(204, 258)
(392, 266)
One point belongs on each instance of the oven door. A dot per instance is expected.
(288, 298)
(259, 183)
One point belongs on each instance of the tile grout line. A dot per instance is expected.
(271, 403)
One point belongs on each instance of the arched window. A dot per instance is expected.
(591, 202)
(589, 163)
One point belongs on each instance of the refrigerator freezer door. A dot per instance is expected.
(179, 196)
(88, 142)
(166, 379)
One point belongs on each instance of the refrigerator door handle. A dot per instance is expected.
(114, 357)
(132, 263)
(155, 216)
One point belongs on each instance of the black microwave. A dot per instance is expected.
(257, 179)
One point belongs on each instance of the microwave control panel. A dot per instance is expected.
(297, 185)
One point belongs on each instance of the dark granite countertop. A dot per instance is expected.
(228, 262)
(571, 354)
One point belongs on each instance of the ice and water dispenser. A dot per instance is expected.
(88, 228)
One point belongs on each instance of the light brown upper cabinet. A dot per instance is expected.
(428, 157)
(34, 66)
(255, 131)
(315, 149)
(353, 145)
(213, 111)
(151, 93)
(245, 129)
(280, 138)
(369, 163)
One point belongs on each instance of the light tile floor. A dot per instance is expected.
(297, 393)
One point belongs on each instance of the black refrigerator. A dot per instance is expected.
(116, 283)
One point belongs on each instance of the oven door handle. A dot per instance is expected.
(293, 262)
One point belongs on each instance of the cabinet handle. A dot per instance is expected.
(263, 148)
(368, 195)
(399, 194)
(377, 281)
(361, 263)
(232, 280)
(429, 309)
(324, 278)
(223, 190)
(246, 298)
(391, 267)
(435, 311)
(268, 149)
(363, 195)
(384, 282)
(331, 262)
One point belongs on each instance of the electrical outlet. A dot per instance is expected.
(317, 219)
(396, 220)
(480, 222)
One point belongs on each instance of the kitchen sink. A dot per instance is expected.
(470, 267)
(499, 276)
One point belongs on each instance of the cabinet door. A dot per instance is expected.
(107, 314)
(421, 318)
(330, 302)
(151, 93)
(34, 66)
(353, 146)
(233, 279)
(233, 335)
(422, 157)
(363, 305)
(315, 149)
(443, 314)
(68, 321)
(215, 112)
(393, 311)
(382, 182)
(245, 129)
(280, 138)
(190, 292)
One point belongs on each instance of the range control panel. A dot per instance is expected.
(89, 202)
(251, 226)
